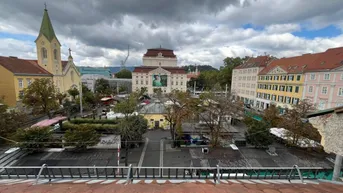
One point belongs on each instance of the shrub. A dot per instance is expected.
(34, 138)
(101, 128)
(94, 121)
(82, 136)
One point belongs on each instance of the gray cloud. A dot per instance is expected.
(200, 31)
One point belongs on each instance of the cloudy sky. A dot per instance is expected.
(200, 31)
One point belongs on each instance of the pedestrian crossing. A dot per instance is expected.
(157, 181)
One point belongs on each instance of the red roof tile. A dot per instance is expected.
(146, 69)
(153, 52)
(328, 60)
(21, 66)
(169, 187)
(260, 61)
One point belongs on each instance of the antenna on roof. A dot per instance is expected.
(128, 54)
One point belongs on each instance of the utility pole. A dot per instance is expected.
(225, 90)
(81, 99)
(195, 83)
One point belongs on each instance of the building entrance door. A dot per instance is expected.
(157, 124)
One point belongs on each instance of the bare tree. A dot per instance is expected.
(178, 108)
(216, 112)
(293, 120)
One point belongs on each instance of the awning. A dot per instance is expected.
(49, 122)
(106, 99)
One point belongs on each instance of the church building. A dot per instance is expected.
(17, 74)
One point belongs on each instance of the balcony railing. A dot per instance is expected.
(130, 172)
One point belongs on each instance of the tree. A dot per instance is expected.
(177, 111)
(131, 130)
(10, 121)
(127, 106)
(124, 73)
(82, 136)
(34, 138)
(271, 116)
(102, 87)
(293, 121)
(258, 133)
(216, 112)
(41, 97)
(60, 97)
(73, 92)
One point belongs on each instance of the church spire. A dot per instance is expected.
(70, 58)
(46, 28)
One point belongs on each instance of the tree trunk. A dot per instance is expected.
(126, 153)
(49, 114)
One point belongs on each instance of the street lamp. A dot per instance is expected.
(81, 99)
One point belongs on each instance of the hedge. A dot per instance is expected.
(94, 121)
(108, 128)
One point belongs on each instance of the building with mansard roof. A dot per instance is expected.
(159, 72)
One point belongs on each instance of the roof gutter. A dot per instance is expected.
(27, 74)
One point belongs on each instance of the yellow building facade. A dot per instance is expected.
(17, 74)
(282, 89)
(282, 81)
(155, 113)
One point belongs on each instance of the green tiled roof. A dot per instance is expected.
(46, 28)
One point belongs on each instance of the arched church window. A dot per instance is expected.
(44, 53)
(55, 54)
(72, 76)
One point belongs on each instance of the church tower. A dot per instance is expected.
(48, 48)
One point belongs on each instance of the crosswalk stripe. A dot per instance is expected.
(63, 181)
(21, 181)
(94, 181)
(273, 181)
(201, 181)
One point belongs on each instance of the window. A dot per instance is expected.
(312, 76)
(280, 98)
(20, 81)
(274, 97)
(288, 100)
(176, 83)
(290, 77)
(321, 104)
(310, 89)
(44, 53)
(297, 89)
(295, 101)
(248, 85)
(326, 76)
(340, 91)
(136, 81)
(252, 93)
(243, 84)
(289, 88)
(55, 54)
(276, 78)
(172, 82)
(298, 77)
(28, 80)
(282, 88)
(269, 87)
(342, 76)
(268, 96)
(181, 83)
(141, 81)
(161, 120)
(146, 82)
(324, 90)
(267, 77)
(276, 87)
(271, 77)
(247, 92)
(72, 76)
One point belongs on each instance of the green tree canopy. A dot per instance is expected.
(34, 138)
(258, 133)
(102, 87)
(81, 136)
(41, 96)
(124, 73)
(10, 121)
(73, 92)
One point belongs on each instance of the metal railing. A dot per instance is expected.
(130, 172)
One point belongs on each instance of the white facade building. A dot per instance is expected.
(89, 80)
(159, 71)
(244, 79)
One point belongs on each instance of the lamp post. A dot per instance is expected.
(81, 99)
